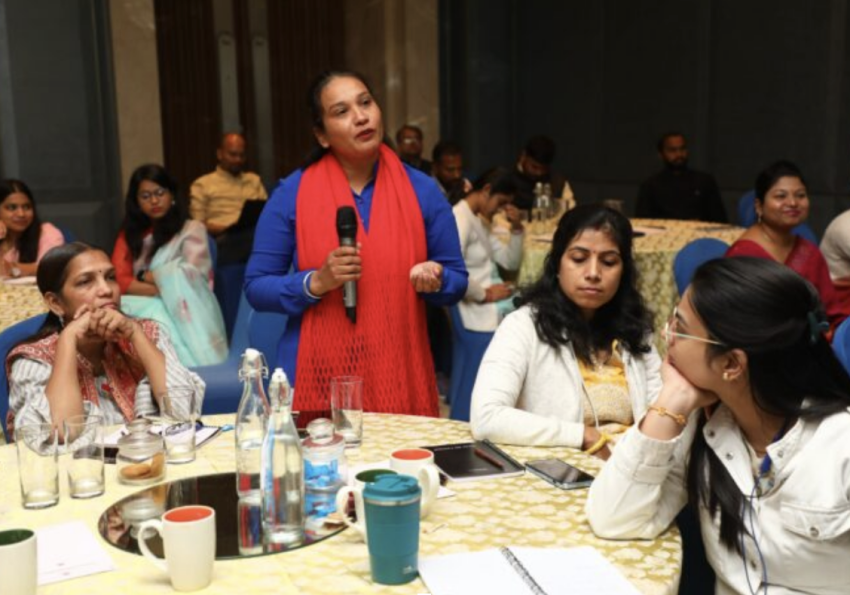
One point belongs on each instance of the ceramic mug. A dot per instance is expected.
(419, 462)
(188, 538)
(342, 497)
(18, 562)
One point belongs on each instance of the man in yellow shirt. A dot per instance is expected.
(217, 198)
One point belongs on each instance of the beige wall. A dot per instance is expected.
(395, 43)
(136, 84)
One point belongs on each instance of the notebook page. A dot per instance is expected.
(471, 572)
(574, 570)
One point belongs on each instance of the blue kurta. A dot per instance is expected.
(275, 283)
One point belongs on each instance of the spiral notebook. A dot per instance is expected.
(524, 570)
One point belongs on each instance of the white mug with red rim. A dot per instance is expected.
(188, 539)
(419, 462)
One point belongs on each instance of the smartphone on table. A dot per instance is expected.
(559, 474)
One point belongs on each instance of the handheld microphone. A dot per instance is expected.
(346, 229)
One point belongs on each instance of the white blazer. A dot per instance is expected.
(481, 250)
(802, 524)
(530, 393)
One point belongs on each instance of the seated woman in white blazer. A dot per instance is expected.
(487, 298)
(575, 364)
(750, 430)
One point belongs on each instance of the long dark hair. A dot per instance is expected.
(27, 243)
(772, 314)
(317, 112)
(558, 320)
(136, 223)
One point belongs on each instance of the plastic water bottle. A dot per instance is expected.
(282, 469)
(251, 419)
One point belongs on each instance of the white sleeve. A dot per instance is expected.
(642, 487)
(27, 400)
(176, 376)
(500, 381)
(508, 256)
(475, 292)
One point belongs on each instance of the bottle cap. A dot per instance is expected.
(253, 364)
(321, 430)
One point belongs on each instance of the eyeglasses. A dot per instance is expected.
(670, 333)
(146, 196)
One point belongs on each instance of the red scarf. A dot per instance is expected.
(388, 346)
(120, 365)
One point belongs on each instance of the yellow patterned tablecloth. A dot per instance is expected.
(483, 514)
(19, 302)
(654, 255)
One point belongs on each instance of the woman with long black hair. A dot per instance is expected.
(24, 238)
(164, 267)
(574, 365)
(750, 428)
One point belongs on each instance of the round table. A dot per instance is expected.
(19, 302)
(520, 510)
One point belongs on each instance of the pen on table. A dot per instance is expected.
(489, 458)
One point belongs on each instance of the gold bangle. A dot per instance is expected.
(598, 445)
(664, 412)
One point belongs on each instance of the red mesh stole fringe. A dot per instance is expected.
(388, 346)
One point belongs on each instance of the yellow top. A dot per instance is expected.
(218, 197)
(606, 388)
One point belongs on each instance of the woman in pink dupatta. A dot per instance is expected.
(782, 203)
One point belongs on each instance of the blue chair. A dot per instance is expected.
(747, 217)
(223, 386)
(67, 234)
(468, 349)
(8, 339)
(264, 332)
(229, 279)
(840, 343)
(694, 254)
(213, 252)
(747, 209)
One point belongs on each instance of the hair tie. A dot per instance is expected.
(817, 326)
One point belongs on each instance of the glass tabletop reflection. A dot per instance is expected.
(239, 527)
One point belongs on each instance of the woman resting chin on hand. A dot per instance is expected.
(88, 357)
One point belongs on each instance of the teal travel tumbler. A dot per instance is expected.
(391, 505)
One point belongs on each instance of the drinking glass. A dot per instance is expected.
(178, 424)
(38, 464)
(347, 408)
(84, 442)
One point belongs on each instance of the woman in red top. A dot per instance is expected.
(164, 268)
(782, 203)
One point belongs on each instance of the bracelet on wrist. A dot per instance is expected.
(307, 291)
(599, 444)
(664, 412)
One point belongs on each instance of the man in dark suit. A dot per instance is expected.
(678, 192)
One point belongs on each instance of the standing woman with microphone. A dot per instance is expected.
(406, 252)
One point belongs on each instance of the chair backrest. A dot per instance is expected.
(8, 339)
(213, 250)
(747, 209)
(239, 340)
(264, 332)
(841, 343)
(694, 254)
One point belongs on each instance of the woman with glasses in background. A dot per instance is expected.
(575, 364)
(750, 428)
(164, 268)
